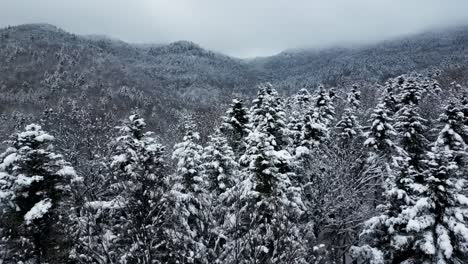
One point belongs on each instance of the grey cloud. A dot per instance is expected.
(242, 27)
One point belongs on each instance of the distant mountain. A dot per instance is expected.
(41, 65)
(38, 48)
(447, 50)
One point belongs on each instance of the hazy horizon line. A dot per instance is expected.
(342, 45)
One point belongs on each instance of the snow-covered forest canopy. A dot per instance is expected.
(117, 153)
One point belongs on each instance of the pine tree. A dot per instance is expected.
(265, 226)
(410, 93)
(354, 98)
(464, 109)
(439, 217)
(219, 165)
(324, 107)
(35, 192)
(348, 127)
(303, 99)
(410, 127)
(381, 132)
(235, 125)
(220, 170)
(268, 111)
(389, 100)
(454, 132)
(300, 105)
(189, 201)
(429, 225)
(138, 166)
(384, 238)
(313, 132)
(263, 219)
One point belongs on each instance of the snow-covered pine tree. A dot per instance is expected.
(411, 93)
(348, 127)
(263, 219)
(354, 97)
(411, 127)
(189, 202)
(268, 110)
(332, 93)
(380, 135)
(313, 132)
(235, 125)
(379, 139)
(300, 104)
(221, 172)
(265, 227)
(389, 100)
(438, 220)
(384, 238)
(219, 165)
(138, 167)
(35, 191)
(302, 100)
(464, 108)
(324, 106)
(454, 133)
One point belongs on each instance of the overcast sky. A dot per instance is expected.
(242, 28)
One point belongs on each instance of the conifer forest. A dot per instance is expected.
(120, 153)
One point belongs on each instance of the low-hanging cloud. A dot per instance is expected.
(241, 28)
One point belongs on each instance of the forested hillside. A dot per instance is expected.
(122, 153)
(45, 67)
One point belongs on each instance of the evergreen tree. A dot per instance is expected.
(235, 125)
(384, 238)
(300, 105)
(464, 109)
(348, 127)
(410, 127)
(324, 107)
(138, 166)
(313, 132)
(265, 227)
(354, 97)
(453, 134)
(303, 99)
(410, 93)
(332, 93)
(189, 202)
(439, 217)
(389, 100)
(268, 111)
(219, 165)
(220, 170)
(381, 133)
(35, 190)
(263, 219)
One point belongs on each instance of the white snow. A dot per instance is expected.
(443, 240)
(26, 181)
(38, 211)
(8, 160)
(67, 171)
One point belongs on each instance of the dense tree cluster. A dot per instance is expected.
(312, 178)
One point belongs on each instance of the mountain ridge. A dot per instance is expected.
(42, 64)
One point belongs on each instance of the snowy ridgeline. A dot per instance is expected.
(327, 177)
